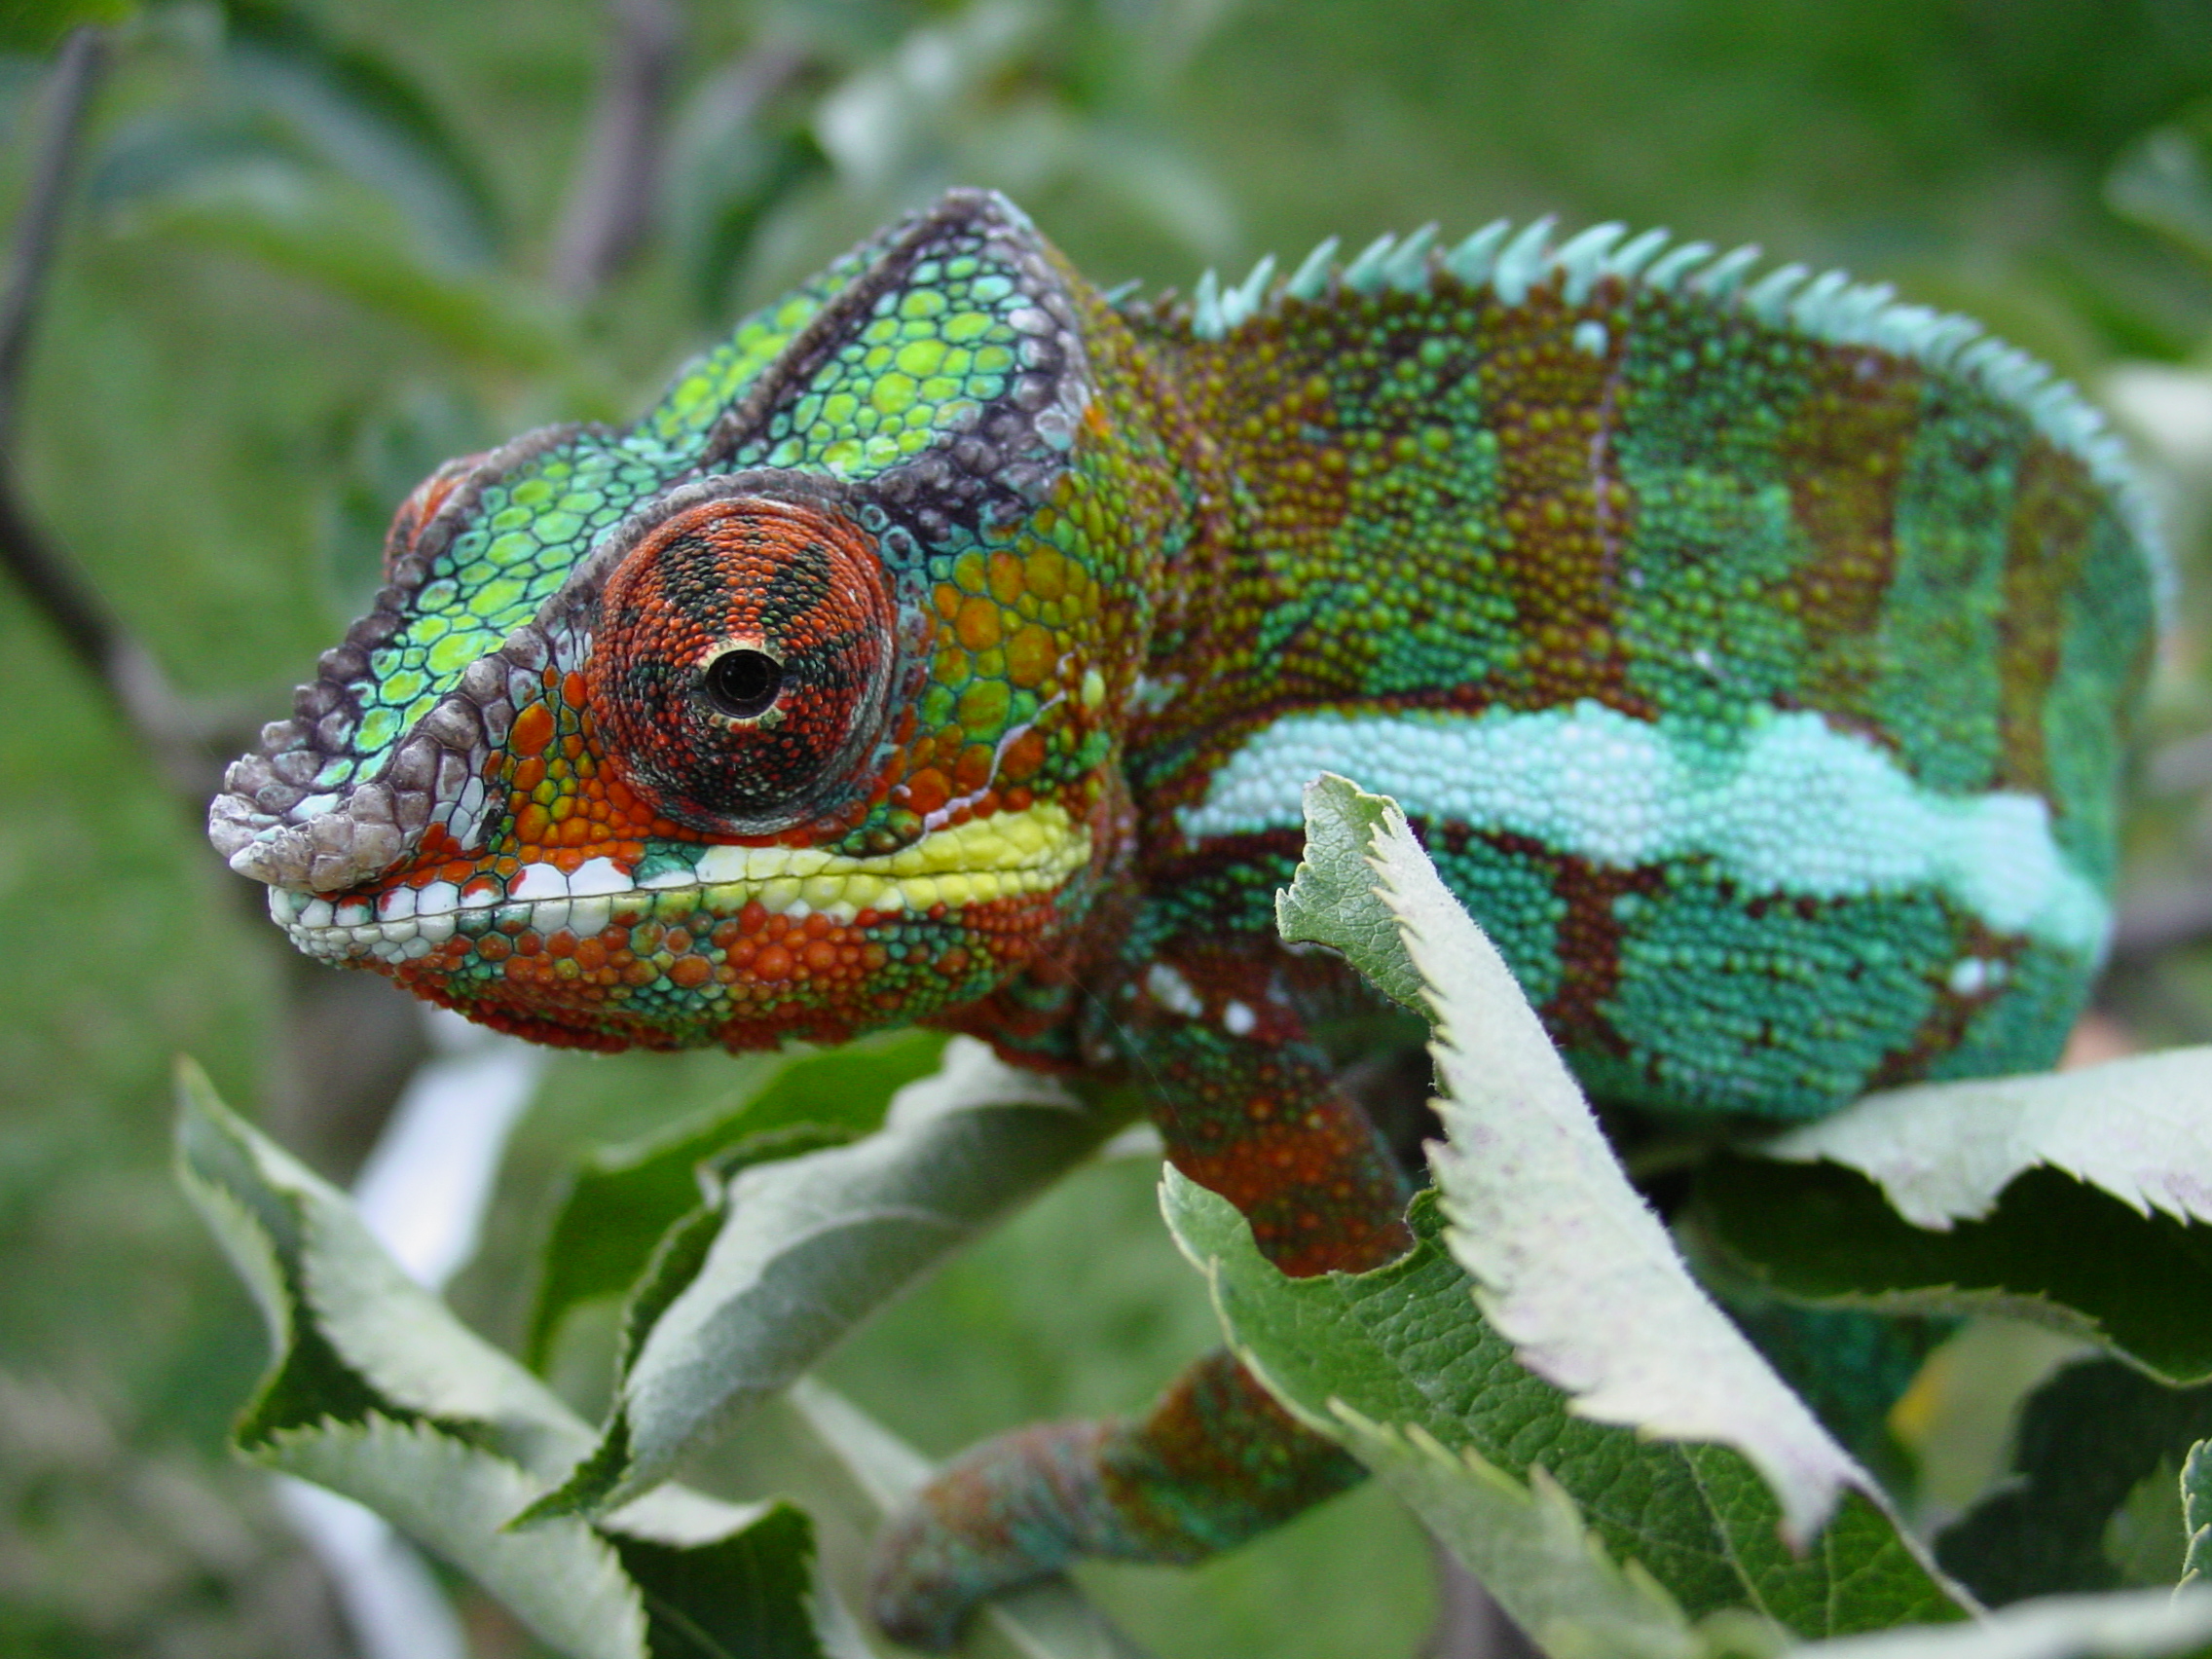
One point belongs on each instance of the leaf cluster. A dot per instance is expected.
(1544, 1378)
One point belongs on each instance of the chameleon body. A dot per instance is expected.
(951, 647)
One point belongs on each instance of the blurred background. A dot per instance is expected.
(269, 263)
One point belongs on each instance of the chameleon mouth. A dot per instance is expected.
(1009, 855)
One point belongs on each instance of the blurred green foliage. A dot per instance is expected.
(312, 253)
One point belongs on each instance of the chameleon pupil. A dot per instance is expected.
(742, 684)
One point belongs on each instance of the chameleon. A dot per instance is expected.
(950, 646)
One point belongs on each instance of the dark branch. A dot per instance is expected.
(179, 737)
(69, 96)
(610, 205)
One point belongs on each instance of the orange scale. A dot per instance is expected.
(972, 770)
(927, 791)
(532, 728)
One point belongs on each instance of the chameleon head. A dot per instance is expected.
(787, 711)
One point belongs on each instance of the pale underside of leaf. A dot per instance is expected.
(2196, 1512)
(1569, 1264)
(811, 1244)
(2143, 1624)
(2139, 1128)
(1406, 1348)
(561, 1580)
(323, 1277)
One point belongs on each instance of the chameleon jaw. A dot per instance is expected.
(1007, 855)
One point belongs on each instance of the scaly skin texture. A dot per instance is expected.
(951, 645)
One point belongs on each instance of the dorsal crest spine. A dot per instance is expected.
(1515, 265)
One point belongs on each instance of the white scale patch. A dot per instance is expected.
(1005, 855)
(1797, 808)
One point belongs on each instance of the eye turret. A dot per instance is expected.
(741, 664)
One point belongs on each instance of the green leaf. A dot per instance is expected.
(565, 1585)
(1571, 1598)
(808, 1246)
(2075, 1198)
(1400, 1365)
(2197, 1510)
(2140, 1625)
(378, 1392)
(370, 122)
(620, 1200)
(2053, 1249)
(2085, 1439)
(1331, 899)
(1568, 1263)
(2139, 1128)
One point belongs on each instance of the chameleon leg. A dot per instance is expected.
(1213, 1463)
(1257, 1116)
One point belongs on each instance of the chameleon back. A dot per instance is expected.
(1757, 661)
(1757, 664)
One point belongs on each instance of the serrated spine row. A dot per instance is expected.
(1829, 308)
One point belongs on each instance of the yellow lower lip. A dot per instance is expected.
(1005, 856)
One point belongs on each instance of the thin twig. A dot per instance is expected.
(69, 96)
(180, 737)
(610, 207)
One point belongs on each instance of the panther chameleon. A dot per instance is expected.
(952, 644)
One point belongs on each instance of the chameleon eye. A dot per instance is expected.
(740, 666)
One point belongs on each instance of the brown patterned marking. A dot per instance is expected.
(2047, 539)
(1844, 455)
(1944, 1027)
(1551, 405)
